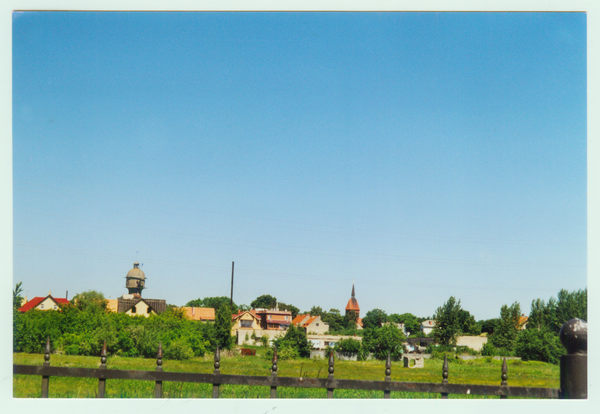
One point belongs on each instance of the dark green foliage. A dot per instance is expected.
(348, 345)
(380, 341)
(317, 311)
(447, 322)
(213, 302)
(291, 308)
(539, 345)
(333, 318)
(488, 326)
(374, 319)
(294, 339)
(410, 321)
(490, 350)
(264, 302)
(467, 323)
(507, 329)
(89, 299)
(17, 298)
(222, 328)
(571, 305)
(82, 330)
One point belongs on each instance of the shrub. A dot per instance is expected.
(539, 345)
(348, 345)
(179, 349)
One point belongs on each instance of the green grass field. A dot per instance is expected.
(530, 374)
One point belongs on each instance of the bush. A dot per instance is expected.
(539, 345)
(490, 350)
(348, 345)
(179, 349)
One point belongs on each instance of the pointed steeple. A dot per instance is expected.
(353, 295)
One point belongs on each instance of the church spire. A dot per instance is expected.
(353, 290)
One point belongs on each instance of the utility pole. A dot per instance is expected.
(231, 299)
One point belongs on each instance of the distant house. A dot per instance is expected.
(274, 319)
(199, 314)
(399, 326)
(43, 303)
(245, 322)
(427, 326)
(311, 324)
(138, 306)
(523, 321)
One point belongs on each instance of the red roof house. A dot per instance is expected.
(43, 303)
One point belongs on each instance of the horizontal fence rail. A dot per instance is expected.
(573, 376)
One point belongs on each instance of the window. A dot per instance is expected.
(269, 316)
(286, 318)
(133, 310)
(55, 307)
(42, 306)
(246, 324)
(317, 323)
(148, 310)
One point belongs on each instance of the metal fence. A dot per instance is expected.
(573, 375)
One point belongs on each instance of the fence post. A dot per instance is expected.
(573, 365)
(274, 373)
(388, 378)
(215, 393)
(445, 376)
(45, 378)
(330, 377)
(102, 381)
(504, 378)
(158, 384)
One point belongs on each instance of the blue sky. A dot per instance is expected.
(421, 155)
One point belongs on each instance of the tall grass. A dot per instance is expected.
(531, 374)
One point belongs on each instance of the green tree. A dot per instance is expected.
(447, 322)
(291, 308)
(382, 340)
(348, 345)
(264, 302)
(467, 323)
(571, 305)
(350, 319)
(410, 321)
(507, 330)
(90, 299)
(17, 298)
(539, 345)
(222, 327)
(374, 319)
(316, 311)
(215, 302)
(294, 338)
(334, 319)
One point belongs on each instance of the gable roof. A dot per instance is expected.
(250, 312)
(199, 314)
(157, 305)
(310, 320)
(298, 319)
(39, 299)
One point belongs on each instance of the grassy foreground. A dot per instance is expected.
(524, 374)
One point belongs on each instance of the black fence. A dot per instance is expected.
(573, 375)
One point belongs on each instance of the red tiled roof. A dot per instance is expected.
(299, 319)
(242, 312)
(38, 299)
(352, 305)
(311, 320)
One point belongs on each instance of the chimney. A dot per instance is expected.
(192, 311)
(67, 295)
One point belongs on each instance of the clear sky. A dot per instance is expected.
(420, 155)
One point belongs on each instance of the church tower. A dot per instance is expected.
(353, 304)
